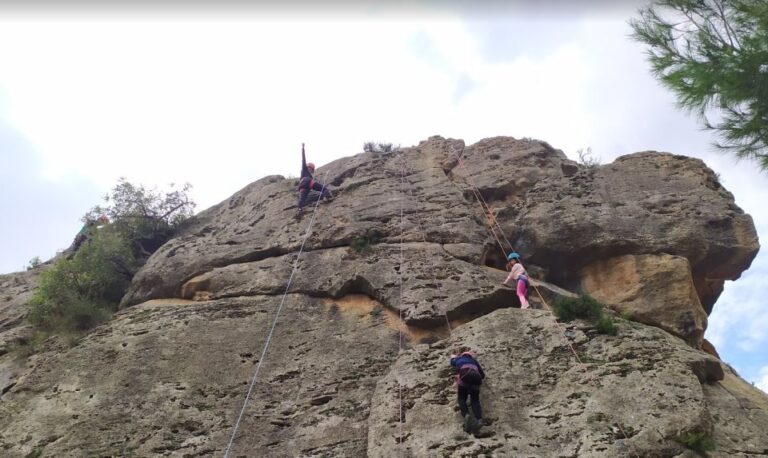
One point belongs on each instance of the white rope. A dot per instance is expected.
(400, 305)
(274, 323)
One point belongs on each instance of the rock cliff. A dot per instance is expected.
(396, 271)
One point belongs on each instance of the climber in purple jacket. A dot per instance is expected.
(307, 183)
(469, 377)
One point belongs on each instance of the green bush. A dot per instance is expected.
(85, 288)
(698, 441)
(34, 263)
(79, 293)
(363, 243)
(605, 325)
(36, 452)
(587, 308)
(145, 218)
(378, 147)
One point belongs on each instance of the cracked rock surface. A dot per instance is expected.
(378, 302)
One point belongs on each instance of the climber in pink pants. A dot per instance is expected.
(517, 273)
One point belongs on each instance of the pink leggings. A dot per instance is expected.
(522, 292)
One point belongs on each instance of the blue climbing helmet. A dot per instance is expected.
(512, 256)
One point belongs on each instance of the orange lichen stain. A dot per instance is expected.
(455, 323)
(367, 309)
(152, 302)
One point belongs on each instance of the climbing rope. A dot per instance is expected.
(274, 322)
(493, 227)
(400, 313)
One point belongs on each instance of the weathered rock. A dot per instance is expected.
(643, 203)
(377, 301)
(170, 378)
(428, 291)
(653, 289)
(258, 222)
(633, 395)
(708, 347)
(16, 290)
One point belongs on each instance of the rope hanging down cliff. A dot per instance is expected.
(274, 323)
(400, 418)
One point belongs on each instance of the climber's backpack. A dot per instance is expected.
(469, 374)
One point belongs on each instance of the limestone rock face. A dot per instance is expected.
(169, 378)
(643, 203)
(15, 291)
(653, 289)
(633, 395)
(258, 222)
(394, 272)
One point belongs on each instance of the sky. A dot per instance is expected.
(221, 97)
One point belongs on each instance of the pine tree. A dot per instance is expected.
(713, 54)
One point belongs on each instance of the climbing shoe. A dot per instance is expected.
(468, 423)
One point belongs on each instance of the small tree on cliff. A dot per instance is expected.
(83, 290)
(78, 293)
(713, 54)
(145, 218)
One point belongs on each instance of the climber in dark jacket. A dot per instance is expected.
(307, 183)
(469, 377)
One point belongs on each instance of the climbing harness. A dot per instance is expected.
(469, 374)
(272, 329)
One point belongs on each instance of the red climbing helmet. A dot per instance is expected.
(311, 167)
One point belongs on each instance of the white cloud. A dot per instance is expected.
(221, 102)
(740, 317)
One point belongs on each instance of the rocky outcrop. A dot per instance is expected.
(169, 378)
(653, 289)
(396, 270)
(633, 395)
(559, 216)
(644, 203)
(15, 292)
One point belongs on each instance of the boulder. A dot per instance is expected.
(643, 203)
(393, 273)
(633, 395)
(652, 289)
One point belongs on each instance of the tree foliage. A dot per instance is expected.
(145, 218)
(84, 288)
(587, 158)
(378, 147)
(78, 293)
(713, 54)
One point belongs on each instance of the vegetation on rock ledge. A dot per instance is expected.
(84, 288)
(587, 308)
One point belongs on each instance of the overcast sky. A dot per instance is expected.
(220, 98)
